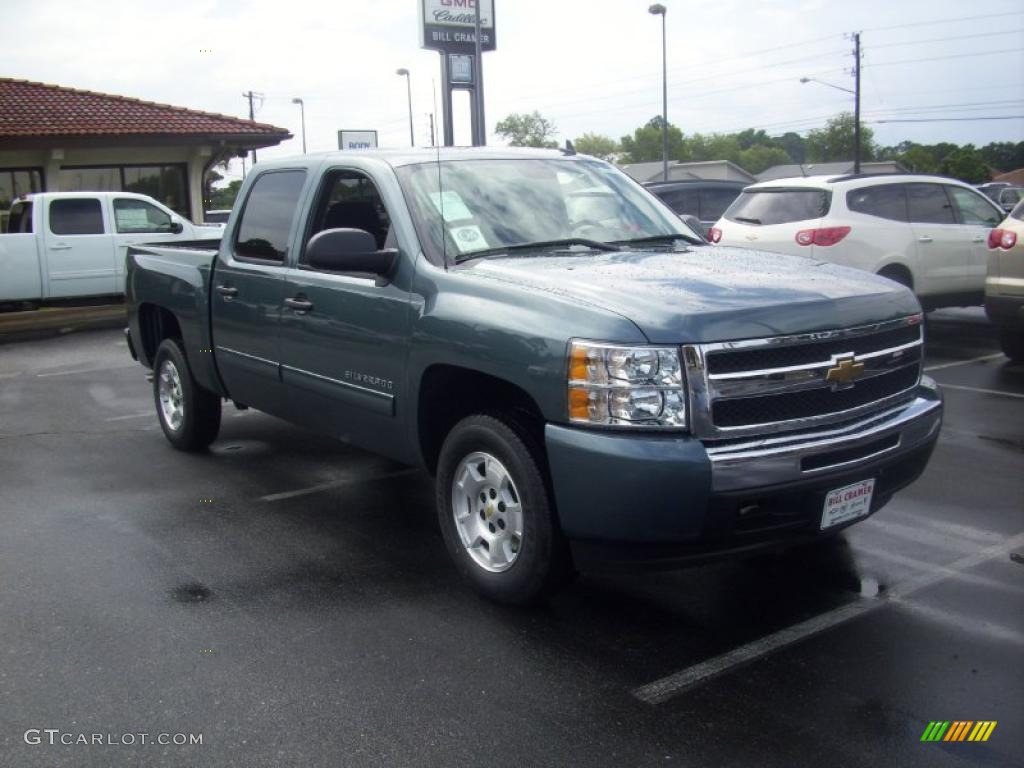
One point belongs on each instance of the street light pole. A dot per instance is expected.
(408, 86)
(302, 112)
(659, 10)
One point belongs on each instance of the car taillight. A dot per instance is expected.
(714, 234)
(822, 236)
(1002, 238)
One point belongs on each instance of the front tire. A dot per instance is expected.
(189, 415)
(495, 512)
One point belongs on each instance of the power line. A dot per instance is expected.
(944, 58)
(943, 21)
(950, 119)
(946, 39)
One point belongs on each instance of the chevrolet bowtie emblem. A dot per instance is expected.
(845, 372)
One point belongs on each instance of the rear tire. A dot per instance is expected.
(1011, 339)
(189, 415)
(495, 512)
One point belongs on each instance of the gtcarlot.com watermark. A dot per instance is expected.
(54, 736)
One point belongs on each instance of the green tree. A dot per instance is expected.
(751, 137)
(918, 159)
(1004, 155)
(222, 198)
(967, 165)
(645, 143)
(597, 145)
(711, 146)
(834, 142)
(793, 144)
(761, 157)
(527, 130)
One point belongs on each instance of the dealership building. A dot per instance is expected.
(56, 139)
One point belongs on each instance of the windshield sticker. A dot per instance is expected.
(468, 238)
(449, 204)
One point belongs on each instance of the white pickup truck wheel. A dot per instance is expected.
(495, 513)
(189, 415)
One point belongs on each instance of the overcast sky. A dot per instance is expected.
(589, 65)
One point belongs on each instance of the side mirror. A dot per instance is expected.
(177, 227)
(693, 223)
(349, 250)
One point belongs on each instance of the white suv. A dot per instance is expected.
(928, 232)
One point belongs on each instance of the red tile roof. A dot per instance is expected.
(41, 109)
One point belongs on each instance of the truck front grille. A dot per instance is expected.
(784, 383)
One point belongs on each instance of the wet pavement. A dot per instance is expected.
(290, 600)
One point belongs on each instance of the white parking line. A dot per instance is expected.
(972, 624)
(335, 484)
(14, 375)
(130, 416)
(922, 565)
(83, 370)
(943, 366)
(921, 535)
(672, 685)
(982, 391)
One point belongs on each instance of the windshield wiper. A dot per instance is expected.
(658, 239)
(744, 218)
(596, 245)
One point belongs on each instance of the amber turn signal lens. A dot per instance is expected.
(579, 404)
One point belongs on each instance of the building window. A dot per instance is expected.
(165, 183)
(15, 182)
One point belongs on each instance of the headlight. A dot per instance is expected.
(626, 386)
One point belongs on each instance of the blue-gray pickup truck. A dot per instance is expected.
(587, 379)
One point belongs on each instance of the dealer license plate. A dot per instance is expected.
(847, 503)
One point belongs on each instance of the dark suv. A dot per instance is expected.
(705, 199)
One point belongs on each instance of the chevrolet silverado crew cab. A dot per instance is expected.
(60, 245)
(586, 382)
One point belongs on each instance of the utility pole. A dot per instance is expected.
(433, 141)
(480, 139)
(856, 102)
(252, 116)
(659, 10)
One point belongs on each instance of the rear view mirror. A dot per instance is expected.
(348, 250)
(177, 228)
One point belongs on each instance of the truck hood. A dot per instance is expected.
(710, 293)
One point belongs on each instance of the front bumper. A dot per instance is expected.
(665, 499)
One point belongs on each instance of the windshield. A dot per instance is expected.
(471, 206)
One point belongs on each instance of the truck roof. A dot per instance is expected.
(417, 155)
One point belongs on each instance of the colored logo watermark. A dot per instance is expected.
(958, 730)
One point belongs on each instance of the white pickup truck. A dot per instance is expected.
(72, 244)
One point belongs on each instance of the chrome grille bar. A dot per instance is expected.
(757, 392)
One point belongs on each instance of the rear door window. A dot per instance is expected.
(974, 209)
(928, 204)
(76, 216)
(682, 201)
(886, 201)
(269, 213)
(713, 202)
(779, 206)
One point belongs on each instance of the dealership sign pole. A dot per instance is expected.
(460, 35)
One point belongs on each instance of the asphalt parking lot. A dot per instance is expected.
(290, 600)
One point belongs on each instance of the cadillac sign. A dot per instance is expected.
(450, 25)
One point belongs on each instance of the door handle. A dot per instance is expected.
(301, 306)
(227, 291)
(924, 239)
(60, 247)
(978, 239)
